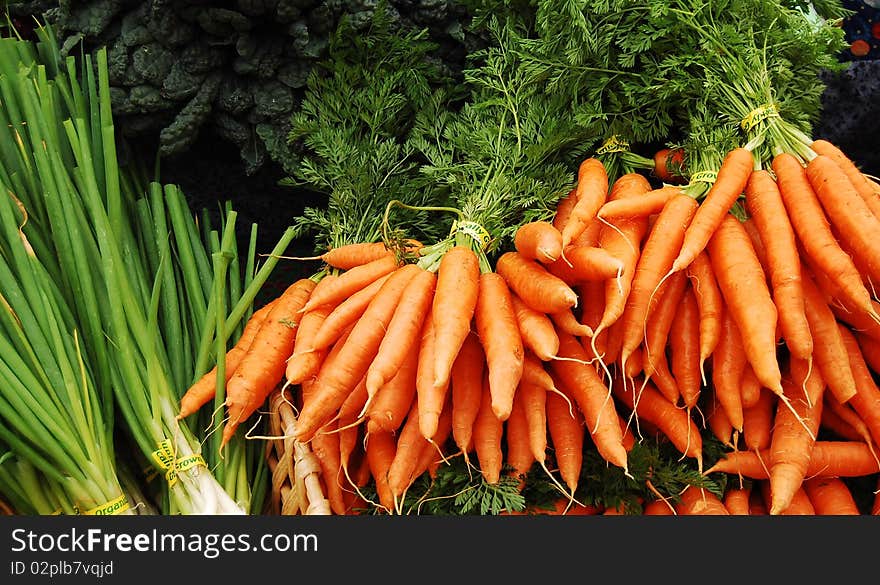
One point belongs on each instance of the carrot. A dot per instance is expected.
(868, 190)
(710, 304)
(563, 210)
(814, 232)
(695, 500)
(304, 362)
(349, 426)
(205, 388)
(325, 446)
(519, 456)
(585, 261)
(467, 391)
(537, 330)
(333, 385)
(743, 286)
(592, 307)
(403, 330)
(847, 210)
(534, 405)
(499, 334)
(568, 322)
(831, 356)
(534, 284)
(648, 204)
(800, 504)
(582, 382)
(828, 459)
(344, 314)
(791, 444)
(732, 176)
(875, 508)
(381, 451)
(410, 445)
(834, 424)
(455, 299)
(538, 240)
(659, 325)
(728, 365)
(831, 496)
(736, 500)
(764, 204)
(675, 423)
(488, 431)
(351, 281)
(393, 400)
(718, 422)
(866, 401)
(433, 455)
(262, 367)
(659, 508)
(592, 191)
(622, 240)
(431, 398)
(347, 256)
(757, 507)
(567, 436)
(750, 387)
(663, 378)
(870, 347)
(658, 251)
(669, 164)
(684, 337)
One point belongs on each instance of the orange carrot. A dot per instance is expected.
(325, 446)
(205, 388)
(582, 382)
(410, 446)
(304, 362)
(791, 444)
(333, 385)
(663, 378)
(847, 211)
(455, 298)
(660, 321)
(563, 210)
(728, 365)
(394, 399)
(750, 387)
(344, 314)
(534, 284)
(814, 232)
(659, 508)
(538, 240)
(519, 455)
(864, 185)
(866, 401)
(381, 451)
(499, 334)
(831, 496)
(684, 341)
(662, 243)
(718, 422)
(830, 356)
(715, 207)
(758, 421)
(764, 204)
(431, 398)
(648, 204)
(736, 500)
(834, 425)
(700, 501)
(534, 405)
(710, 305)
(403, 330)
(467, 391)
(348, 424)
(351, 281)
(870, 347)
(757, 507)
(567, 436)
(347, 256)
(537, 330)
(743, 286)
(829, 459)
(568, 322)
(669, 165)
(433, 455)
(488, 432)
(592, 191)
(675, 423)
(800, 504)
(262, 367)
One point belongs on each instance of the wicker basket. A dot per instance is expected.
(297, 488)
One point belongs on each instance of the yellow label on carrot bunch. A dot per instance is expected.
(758, 115)
(613, 144)
(474, 230)
(704, 177)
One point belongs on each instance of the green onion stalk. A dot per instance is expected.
(60, 162)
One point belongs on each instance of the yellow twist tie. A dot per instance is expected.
(165, 458)
(704, 177)
(474, 230)
(613, 144)
(758, 115)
